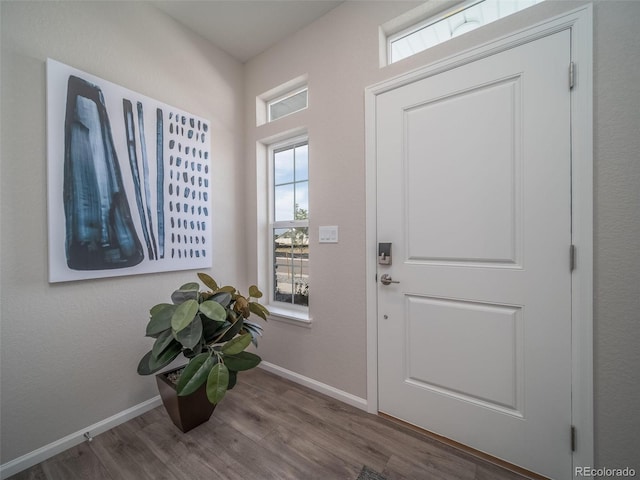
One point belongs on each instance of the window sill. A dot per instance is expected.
(299, 318)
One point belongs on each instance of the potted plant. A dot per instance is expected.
(211, 329)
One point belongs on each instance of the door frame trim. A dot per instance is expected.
(580, 24)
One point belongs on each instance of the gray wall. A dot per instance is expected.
(66, 346)
(70, 350)
(616, 109)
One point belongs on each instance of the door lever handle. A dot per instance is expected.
(387, 280)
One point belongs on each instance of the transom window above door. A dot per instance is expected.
(463, 18)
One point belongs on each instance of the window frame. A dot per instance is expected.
(287, 311)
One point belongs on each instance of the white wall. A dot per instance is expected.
(339, 53)
(70, 351)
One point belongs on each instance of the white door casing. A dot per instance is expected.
(474, 191)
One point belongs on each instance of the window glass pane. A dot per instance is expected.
(283, 166)
(302, 201)
(288, 105)
(291, 244)
(291, 265)
(302, 162)
(284, 203)
(455, 23)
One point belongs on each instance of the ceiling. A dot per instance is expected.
(245, 28)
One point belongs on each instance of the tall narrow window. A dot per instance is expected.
(290, 224)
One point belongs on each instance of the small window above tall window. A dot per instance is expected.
(282, 101)
(290, 103)
(463, 18)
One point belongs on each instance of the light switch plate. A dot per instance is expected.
(328, 234)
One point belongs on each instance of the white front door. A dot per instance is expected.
(473, 193)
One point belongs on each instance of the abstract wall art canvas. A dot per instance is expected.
(128, 181)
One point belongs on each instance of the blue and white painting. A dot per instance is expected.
(128, 181)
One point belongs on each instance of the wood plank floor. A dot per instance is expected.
(265, 428)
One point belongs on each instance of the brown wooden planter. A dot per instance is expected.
(186, 412)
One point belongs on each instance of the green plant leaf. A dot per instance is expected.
(241, 361)
(166, 357)
(208, 281)
(160, 319)
(227, 289)
(184, 315)
(242, 306)
(259, 310)
(189, 353)
(190, 335)
(254, 292)
(234, 329)
(143, 366)
(213, 310)
(210, 328)
(223, 298)
(254, 329)
(162, 342)
(237, 344)
(233, 378)
(148, 364)
(248, 324)
(188, 291)
(195, 373)
(217, 382)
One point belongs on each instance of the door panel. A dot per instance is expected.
(459, 124)
(441, 328)
(473, 168)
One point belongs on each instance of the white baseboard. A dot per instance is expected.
(30, 459)
(320, 387)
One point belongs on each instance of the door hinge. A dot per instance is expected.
(573, 438)
(572, 258)
(572, 75)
